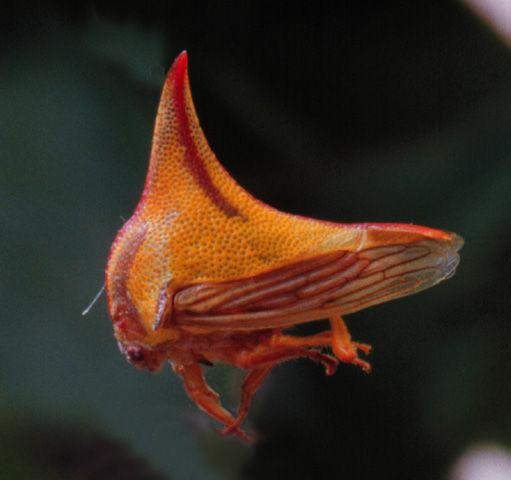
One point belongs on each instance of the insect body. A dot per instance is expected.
(203, 272)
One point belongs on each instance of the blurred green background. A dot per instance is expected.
(347, 111)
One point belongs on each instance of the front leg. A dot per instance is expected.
(206, 398)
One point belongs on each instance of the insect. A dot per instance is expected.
(204, 273)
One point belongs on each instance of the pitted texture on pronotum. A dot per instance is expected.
(204, 272)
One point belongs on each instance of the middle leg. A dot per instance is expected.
(251, 383)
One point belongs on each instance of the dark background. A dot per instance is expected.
(347, 111)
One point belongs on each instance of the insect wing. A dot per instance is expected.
(314, 288)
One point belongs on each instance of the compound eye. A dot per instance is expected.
(135, 354)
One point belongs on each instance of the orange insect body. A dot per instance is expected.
(203, 272)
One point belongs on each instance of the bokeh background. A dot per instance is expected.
(347, 111)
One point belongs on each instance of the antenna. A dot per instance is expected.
(86, 311)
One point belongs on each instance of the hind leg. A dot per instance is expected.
(342, 346)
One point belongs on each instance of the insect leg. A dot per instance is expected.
(274, 353)
(342, 346)
(263, 360)
(206, 398)
(249, 387)
(318, 340)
